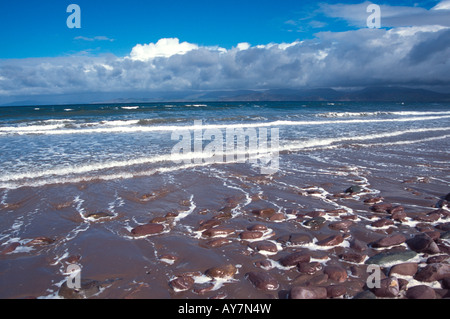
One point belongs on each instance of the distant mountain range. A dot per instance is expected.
(372, 94)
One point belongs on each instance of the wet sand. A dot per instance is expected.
(227, 232)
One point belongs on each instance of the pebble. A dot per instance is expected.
(99, 215)
(147, 229)
(88, 289)
(366, 294)
(341, 225)
(405, 269)
(333, 240)
(309, 268)
(262, 280)
(335, 291)
(389, 241)
(215, 232)
(353, 257)
(423, 243)
(382, 222)
(223, 272)
(433, 272)
(389, 287)
(336, 273)
(264, 246)
(300, 292)
(315, 222)
(264, 213)
(248, 235)
(354, 189)
(40, 241)
(218, 242)
(257, 227)
(444, 227)
(438, 259)
(381, 208)
(10, 248)
(295, 258)
(182, 283)
(421, 292)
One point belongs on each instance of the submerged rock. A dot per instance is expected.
(433, 272)
(88, 289)
(99, 215)
(147, 229)
(333, 240)
(182, 283)
(389, 241)
(389, 257)
(300, 292)
(421, 292)
(354, 189)
(423, 243)
(295, 258)
(262, 280)
(226, 271)
(389, 287)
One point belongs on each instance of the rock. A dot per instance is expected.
(99, 215)
(389, 257)
(315, 222)
(421, 292)
(353, 257)
(435, 235)
(423, 243)
(300, 292)
(399, 216)
(262, 280)
(381, 208)
(336, 273)
(382, 222)
(168, 258)
(88, 289)
(403, 284)
(444, 227)
(358, 245)
(445, 235)
(264, 246)
(341, 225)
(433, 272)
(10, 248)
(373, 200)
(438, 259)
(218, 232)
(314, 214)
(366, 294)
(249, 235)
(147, 229)
(333, 240)
(40, 241)
(447, 197)
(226, 271)
(203, 288)
(396, 209)
(295, 258)
(354, 189)
(182, 283)
(218, 242)
(264, 264)
(300, 239)
(264, 213)
(335, 291)
(446, 283)
(204, 225)
(405, 269)
(277, 217)
(335, 212)
(309, 268)
(257, 227)
(389, 288)
(428, 218)
(389, 241)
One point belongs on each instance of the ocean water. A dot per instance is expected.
(59, 164)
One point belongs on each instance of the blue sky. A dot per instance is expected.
(148, 46)
(38, 28)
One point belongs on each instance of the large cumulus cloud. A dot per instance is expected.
(398, 56)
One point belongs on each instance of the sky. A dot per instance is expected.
(142, 46)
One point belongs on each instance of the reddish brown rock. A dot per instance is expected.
(358, 245)
(423, 243)
(9, 248)
(443, 227)
(433, 272)
(300, 238)
(257, 227)
(300, 292)
(158, 220)
(353, 257)
(381, 208)
(438, 259)
(336, 273)
(399, 216)
(216, 232)
(405, 269)
(429, 218)
(309, 268)
(389, 287)
(314, 214)
(277, 217)
(421, 292)
(264, 213)
(226, 271)
(396, 209)
(182, 283)
(335, 291)
(382, 222)
(249, 235)
(209, 224)
(40, 241)
(335, 211)
(373, 200)
(218, 242)
(264, 246)
(341, 225)
(295, 258)
(262, 280)
(147, 229)
(333, 240)
(389, 241)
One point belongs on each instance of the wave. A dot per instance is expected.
(132, 126)
(366, 114)
(66, 174)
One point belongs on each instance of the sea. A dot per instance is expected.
(135, 162)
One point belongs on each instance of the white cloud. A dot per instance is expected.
(163, 48)
(443, 5)
(97, 38)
